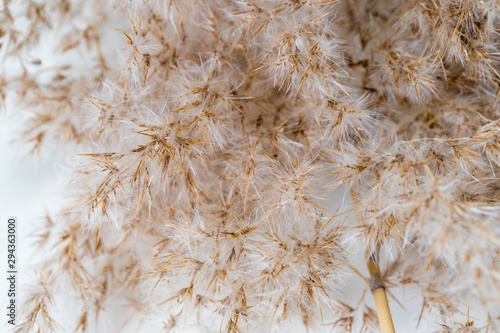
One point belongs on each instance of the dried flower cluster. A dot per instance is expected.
(206, 138)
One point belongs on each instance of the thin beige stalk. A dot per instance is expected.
(379, 294)
(377, 285)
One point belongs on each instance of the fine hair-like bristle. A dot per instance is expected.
(232, 160)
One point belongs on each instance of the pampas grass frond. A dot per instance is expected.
(231, 160)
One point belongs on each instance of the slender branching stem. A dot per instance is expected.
(379, 294)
